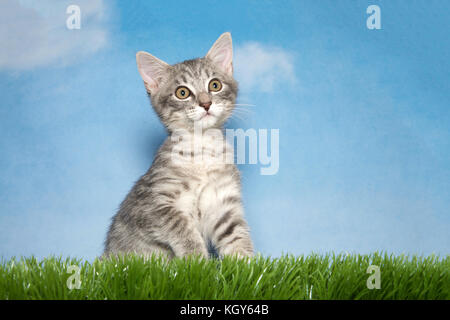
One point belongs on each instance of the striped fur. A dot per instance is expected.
(183, 203)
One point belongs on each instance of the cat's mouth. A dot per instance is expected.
(207, 114)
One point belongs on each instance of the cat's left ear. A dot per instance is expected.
(221, 53)
(152, 70)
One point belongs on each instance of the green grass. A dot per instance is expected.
(304, 277)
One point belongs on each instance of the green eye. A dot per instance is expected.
(182, 93)
(215, 85)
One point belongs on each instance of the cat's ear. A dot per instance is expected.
(152, 70)
(221, 53)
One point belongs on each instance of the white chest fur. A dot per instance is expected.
(202, 152)
(207, 159)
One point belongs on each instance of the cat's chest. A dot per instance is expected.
(201, 154)
(206, 184)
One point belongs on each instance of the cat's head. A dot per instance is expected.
(199, 92)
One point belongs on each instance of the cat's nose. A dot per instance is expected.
(204, 100)
(206, 105)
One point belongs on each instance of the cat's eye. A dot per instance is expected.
(215, 85)
(182, 93)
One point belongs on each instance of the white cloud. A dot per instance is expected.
(260, 67)
(34, 33)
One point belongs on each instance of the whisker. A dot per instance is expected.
(237, 104)
(243, 111)
(237, 108)
(237, 116)
(245, 104)
(239, 113)
(240, 116)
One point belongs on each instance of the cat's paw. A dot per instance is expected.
(239, 253)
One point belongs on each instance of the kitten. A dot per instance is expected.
(187, 200)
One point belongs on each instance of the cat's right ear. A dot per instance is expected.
(221, 53)
(152, 70)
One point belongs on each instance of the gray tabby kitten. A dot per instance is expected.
(190, 197)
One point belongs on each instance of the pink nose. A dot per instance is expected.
(204, 100)
(206, 105)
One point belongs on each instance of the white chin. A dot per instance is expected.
(208, 121)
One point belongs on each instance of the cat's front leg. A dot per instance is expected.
(189, 244)
(184, 237)
(223, 215)
(231, 235)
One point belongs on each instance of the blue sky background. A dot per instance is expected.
(363, 116)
